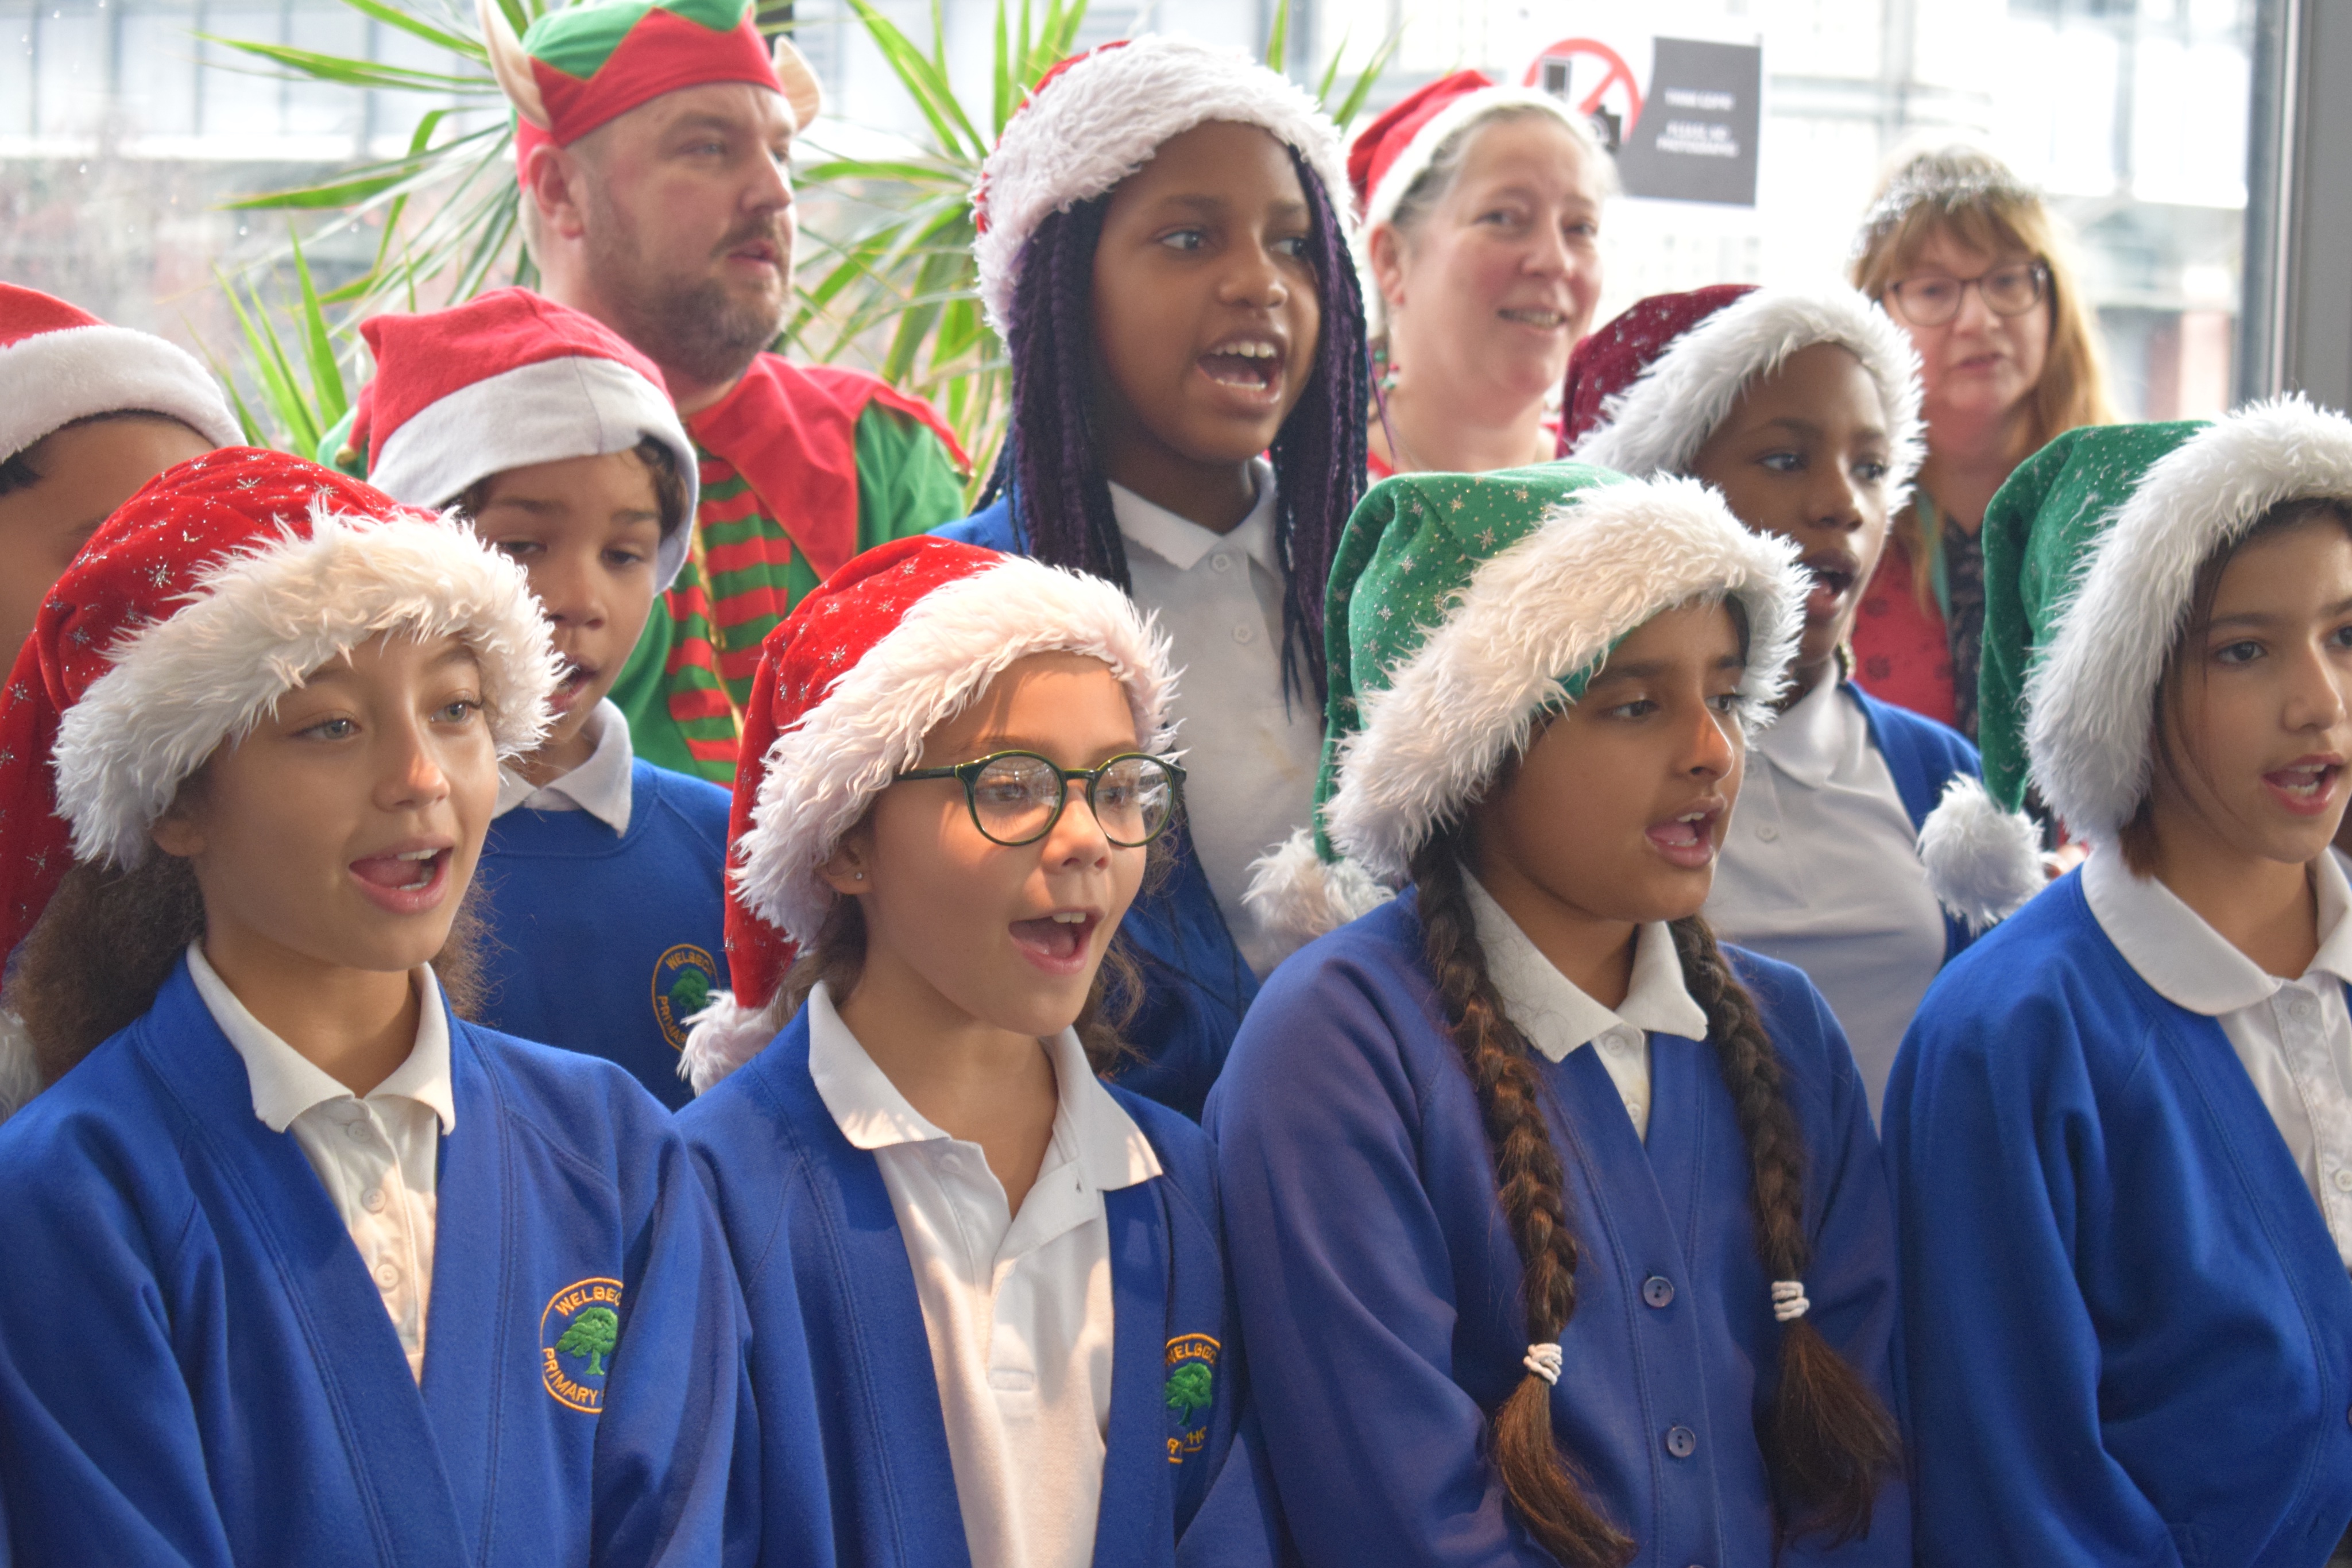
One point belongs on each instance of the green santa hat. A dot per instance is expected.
(2090, 552)
(1462, 609)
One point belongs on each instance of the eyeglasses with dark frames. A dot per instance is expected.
(1932, 299)
(1016, 797)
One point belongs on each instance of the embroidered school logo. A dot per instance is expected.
(1191, 1389)
(576, 1336)
(683, 978)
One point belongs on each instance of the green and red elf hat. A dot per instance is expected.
(884, 652)
(1463, 608)
(207, 597)
(577, 68)
(2092, 549)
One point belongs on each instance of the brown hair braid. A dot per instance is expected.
(1827, 1440)
(1539, 1477)
(1826, 1437)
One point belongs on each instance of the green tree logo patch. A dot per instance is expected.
(577, 1334)
(1190, 1390)
(684, 977)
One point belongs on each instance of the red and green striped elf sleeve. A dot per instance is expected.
(793, 453)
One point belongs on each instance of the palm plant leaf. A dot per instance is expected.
(887, 279)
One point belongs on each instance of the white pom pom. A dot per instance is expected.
(20, 1073)
(1983, 862)
(722, 1038)
(1297, 896)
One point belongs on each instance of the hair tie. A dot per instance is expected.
(1789, 1302)
(1543, 1360)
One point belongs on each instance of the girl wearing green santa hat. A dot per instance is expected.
(2120, 1129)
(1558, 1231)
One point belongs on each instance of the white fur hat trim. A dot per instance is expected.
(819, 775)
(1982, 863)
(1102, 119)
(74, 372)
(2090, 699)
(580, 406)
(1546, 608)
(1658, 424)
(258, 625)
(1470, 107)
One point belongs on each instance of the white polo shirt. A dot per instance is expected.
(1250, 758)
(1558, 1016)
(1820, 869)
(599, 785)
(378, 1155)
(1017, 1307)
(2294, 1036)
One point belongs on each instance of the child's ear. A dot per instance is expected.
(845, 870)
(176, 836)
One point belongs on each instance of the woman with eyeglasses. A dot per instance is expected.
(1967, 258)
(1005, 1277)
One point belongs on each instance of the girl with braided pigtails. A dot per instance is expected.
(1162, 247)
(1559, 1230)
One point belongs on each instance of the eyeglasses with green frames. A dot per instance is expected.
(1016, 797)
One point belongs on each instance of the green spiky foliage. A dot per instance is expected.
(886, 281)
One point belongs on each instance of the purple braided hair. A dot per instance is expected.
(1062, 500)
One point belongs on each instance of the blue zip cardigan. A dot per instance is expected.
(1196, 984)
(195, 1367)
(2129, 1333)
(1379, 1286)
(1924, 756)
(827, 1283)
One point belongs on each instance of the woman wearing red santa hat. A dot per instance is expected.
(246, 762)
(1482, 224)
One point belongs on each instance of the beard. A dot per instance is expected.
(696, 325)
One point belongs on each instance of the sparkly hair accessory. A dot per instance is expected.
(1946, 180)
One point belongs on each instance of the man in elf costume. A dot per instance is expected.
(652, 141)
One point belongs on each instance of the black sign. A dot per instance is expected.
(1695, 140)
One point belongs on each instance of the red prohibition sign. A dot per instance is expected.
(1619, 73)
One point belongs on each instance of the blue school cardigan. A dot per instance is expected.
(1196, 984)
(1924, 756)
(195, 1367)
(606, 942)
(827, 1283)
(1380, 1287)
(2129, 1333)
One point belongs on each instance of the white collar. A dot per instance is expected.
(286, 1084)
(1109, 1150)
(2186, 961)
(1813, 736)
(1554, 1012)
(1181, 542)
(599, 785)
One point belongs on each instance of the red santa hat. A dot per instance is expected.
(59, 364)
(890, 647)
(585, 64)
(509, 379)
(1645, 391)
(1397, 147)
(1098, 117)
(209, 595)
